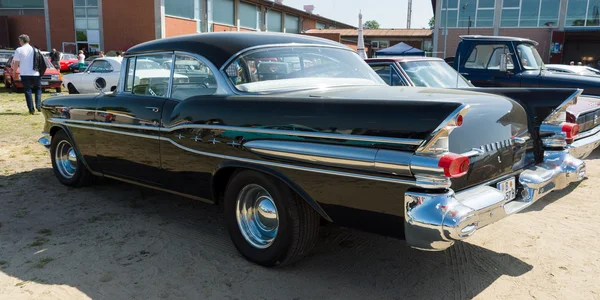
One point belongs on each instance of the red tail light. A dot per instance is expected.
(454, 165)
(570, 129)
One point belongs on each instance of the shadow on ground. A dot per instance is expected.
(118, 241)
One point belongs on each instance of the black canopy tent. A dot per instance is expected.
(400, 49)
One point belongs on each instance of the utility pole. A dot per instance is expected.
(409, 14)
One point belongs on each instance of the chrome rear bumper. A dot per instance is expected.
(583, 147)
(434, 221)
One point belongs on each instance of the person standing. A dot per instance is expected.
(81, 60)
(55, 58)
(102, 54)
(23, 60)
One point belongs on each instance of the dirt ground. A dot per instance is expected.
(118, 241)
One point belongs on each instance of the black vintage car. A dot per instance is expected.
(287, 131)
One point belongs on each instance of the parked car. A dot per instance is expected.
(74, 67)
(575, 70)
(109, 68)
(52, 79)
(417, 71)
(433, 72)
(430, 165)
(66, 60)
(500, 61)
(4, 56)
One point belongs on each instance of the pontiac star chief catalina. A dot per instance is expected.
(286, 131)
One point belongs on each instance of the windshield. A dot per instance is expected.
(289, 68)
(69, 56)
(589, 72)
(530, 58)
(5, 56)
(431, 73)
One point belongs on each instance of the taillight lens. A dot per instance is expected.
(454, 165)
(570, 129)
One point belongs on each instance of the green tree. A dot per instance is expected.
(431, 22)
(372, 24)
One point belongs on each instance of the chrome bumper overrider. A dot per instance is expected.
(45, 141)
(434, 221)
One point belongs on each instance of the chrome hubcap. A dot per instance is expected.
(257, 216)
(66, 159)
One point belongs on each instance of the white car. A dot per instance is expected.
(108, 68)
(577, 70)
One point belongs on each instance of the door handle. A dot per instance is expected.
(153, 109)
(464, 74)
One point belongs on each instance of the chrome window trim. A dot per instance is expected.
(360, 138)
(391, 64)
(136, 56)
(254, 48)
(221, 82)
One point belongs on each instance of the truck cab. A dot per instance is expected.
(499, 61)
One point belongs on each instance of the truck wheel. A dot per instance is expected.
(268, 223)
(68, 168)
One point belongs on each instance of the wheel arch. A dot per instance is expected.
(57, 127)
(226, 170)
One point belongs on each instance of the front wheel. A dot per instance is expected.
(268, 223)
(68, 168)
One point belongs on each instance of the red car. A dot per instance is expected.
(52, 79)
(66, 60)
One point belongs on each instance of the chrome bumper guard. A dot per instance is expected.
(45, 140)
(434, 221)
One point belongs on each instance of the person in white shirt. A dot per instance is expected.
(81, 58)
(23, 61)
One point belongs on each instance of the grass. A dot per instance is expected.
(38, 242)
(45, 231)
(43, 262)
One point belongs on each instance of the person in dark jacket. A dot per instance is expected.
(55, 58)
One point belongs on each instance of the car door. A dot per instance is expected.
(128, 123)
(481, 65)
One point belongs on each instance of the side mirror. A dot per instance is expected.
(100, 84)
(504, 62)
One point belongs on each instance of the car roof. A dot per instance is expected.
(497, 38)
(218, 47)
(402, 59)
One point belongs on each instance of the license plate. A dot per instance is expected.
(44, 82)
(508, 188)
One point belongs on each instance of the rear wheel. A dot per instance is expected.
(68, 168)
(267, 222)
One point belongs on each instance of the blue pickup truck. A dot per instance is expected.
(498, 61)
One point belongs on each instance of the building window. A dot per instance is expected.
(274, 21)
(180, 8)
(248, 14)
(22, 4)
(292, 24)
(321, 25)
(530, 13)
(223, 12)
(583, 13)
(467, 13)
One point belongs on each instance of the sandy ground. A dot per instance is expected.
(117, 241)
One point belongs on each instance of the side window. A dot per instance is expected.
(388, 74)
(100, 66)
(149, 76)
(191, 77)
(129, 76)
(487, 57)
